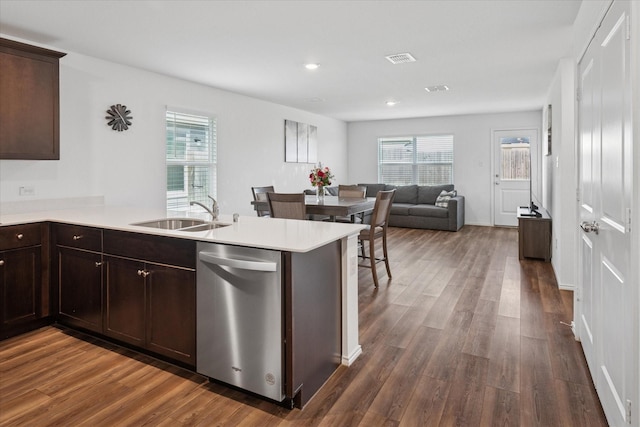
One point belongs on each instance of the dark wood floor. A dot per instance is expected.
(464, 335)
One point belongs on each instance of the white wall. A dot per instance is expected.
(560, 174)
(129, 167)
(472, 151)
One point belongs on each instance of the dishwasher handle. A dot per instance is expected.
(211, 258)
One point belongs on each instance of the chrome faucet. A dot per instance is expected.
(214, 211)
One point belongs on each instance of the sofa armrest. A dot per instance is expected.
(456, 213)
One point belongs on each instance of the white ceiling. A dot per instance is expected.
(496, 56)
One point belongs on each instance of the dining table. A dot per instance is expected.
(330, 206)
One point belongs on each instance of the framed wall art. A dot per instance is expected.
(300, 142)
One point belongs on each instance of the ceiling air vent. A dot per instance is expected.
(400, 58)
(438, 88)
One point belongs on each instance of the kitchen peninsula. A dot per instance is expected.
(105, 239)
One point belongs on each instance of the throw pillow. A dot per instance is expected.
(427, 194)
(443, 199)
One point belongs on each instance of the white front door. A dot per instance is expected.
(514, 155)
(606, 295)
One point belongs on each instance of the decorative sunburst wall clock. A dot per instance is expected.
(119, 117)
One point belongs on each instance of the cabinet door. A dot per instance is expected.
(535, 238)
(171, 324)
(125, 300)
(29, 103)
(20, 282)
(80, 288)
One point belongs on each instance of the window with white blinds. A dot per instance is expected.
(191, 159)
(422, 160)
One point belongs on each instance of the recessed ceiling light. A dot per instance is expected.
(391, 103)
(437, 88)
(311, 66)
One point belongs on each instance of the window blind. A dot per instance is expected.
(423, 160)
(191, 159)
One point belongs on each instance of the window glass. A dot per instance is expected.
(515, 153)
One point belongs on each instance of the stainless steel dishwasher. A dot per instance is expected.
(239, 317)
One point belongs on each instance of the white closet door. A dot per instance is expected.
(607, 295)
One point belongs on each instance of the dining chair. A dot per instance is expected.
(287, 205)
(354, 192)
(376, 230)
(260, 194)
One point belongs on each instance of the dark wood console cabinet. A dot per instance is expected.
(534, 235)
(29, 104)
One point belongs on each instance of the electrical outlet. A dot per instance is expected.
(27, 191)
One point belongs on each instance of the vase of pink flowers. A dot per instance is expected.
(320, 177)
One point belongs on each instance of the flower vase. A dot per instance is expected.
(320, 193)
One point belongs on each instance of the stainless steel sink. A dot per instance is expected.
(182, 224)
(205, 227)
(171, 223)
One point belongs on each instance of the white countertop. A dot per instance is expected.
(250, 231)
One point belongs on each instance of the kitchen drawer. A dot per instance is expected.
(20, 236)
(158, 249)
(76, 236)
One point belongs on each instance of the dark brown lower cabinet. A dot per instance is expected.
(148, 304)
(171, 320)
(125, 301)
(124, 286)
(20, 281)
(24, 278)
(80, 288)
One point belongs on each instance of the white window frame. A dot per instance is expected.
(208, 161)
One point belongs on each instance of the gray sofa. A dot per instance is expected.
(414, 207)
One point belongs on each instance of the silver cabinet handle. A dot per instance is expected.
(77, 236)
(1, 262)
(99, 263)
(588, 227)
(19, 236)
(143, 273)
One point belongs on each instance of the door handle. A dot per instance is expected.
(212, 258)
(588, 227)
(497, 183)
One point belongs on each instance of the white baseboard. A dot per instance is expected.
(566, 287)
(348, 360)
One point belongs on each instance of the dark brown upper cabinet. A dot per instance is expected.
(29, 102)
